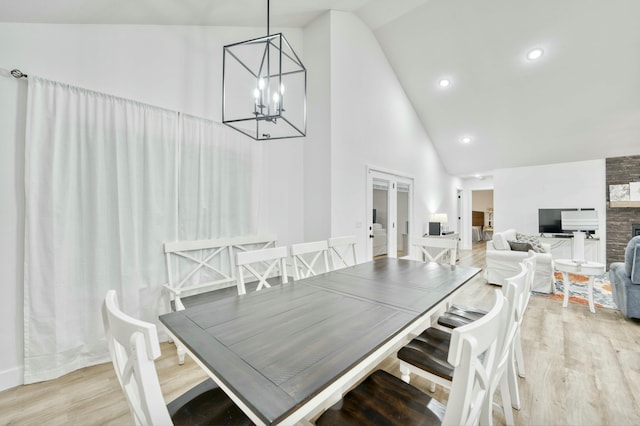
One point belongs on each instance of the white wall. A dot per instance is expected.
(174, 67)
(317, 144)
(520, 192)
(373, 123)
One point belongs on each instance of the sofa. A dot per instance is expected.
(625, 280)
(505, 252)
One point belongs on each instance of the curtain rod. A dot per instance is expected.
(17, 73)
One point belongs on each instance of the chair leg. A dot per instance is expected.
(519, 356)
(506, 400)
(181, 353)
(486, 415)
(513, 384)
(432, 387)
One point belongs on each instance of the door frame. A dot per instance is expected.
(392, 240)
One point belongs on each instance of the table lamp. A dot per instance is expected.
(579, 221)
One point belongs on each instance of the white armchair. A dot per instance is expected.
(503, 262)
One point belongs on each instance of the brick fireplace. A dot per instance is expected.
(622, 222)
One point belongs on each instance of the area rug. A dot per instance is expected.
(578, 292)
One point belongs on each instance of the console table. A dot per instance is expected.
(451, 235)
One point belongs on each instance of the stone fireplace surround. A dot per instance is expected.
(621, 220)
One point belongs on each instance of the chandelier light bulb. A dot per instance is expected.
(276, 98)
(282, 88)
(256, 93)
(261, 84)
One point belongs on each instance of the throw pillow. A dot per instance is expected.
(499, 242)
(518, 246)
(534, 241)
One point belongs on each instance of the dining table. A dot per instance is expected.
(286, 353)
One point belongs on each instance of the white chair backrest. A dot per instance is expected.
(306, 256)
(519, 297)
(472, 352)
(270, 259)
(204, 265)
(514, 292)
(343, 251)
(531, 264)
(433, 249)
(134, 346)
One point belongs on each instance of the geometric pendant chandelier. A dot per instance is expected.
(264, 88)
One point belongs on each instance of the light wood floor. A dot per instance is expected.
(581, 369)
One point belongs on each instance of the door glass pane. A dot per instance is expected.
(380, 216)
(403, 218)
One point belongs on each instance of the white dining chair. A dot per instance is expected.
(435, 249)
(427, 354)
(133, 345)
(310, 259)
(261, 265)
(343, 251)
(517, 362)
(459, 315)
(384, 399)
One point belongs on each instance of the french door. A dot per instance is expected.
(389, 207)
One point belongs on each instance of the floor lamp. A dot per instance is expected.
(579, 221)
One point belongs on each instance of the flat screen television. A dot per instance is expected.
(550, 221)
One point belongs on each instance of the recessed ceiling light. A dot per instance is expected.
(535, 54)
(466, 139)
(445, 82)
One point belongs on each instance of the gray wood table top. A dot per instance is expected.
(277, 348)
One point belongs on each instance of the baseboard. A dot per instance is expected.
(11, 378)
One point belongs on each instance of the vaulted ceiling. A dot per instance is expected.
(579, 101)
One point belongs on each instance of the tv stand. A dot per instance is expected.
(562, 247)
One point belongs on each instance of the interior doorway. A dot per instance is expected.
(481, 215)
(390, 210)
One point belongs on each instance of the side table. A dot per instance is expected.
(589, 269)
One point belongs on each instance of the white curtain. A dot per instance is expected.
(108, 181)
(220, 172)
(219, 181)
